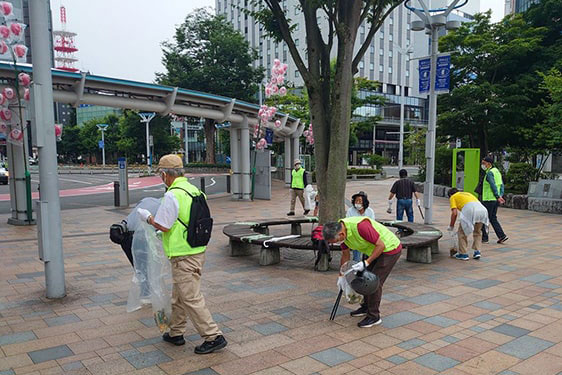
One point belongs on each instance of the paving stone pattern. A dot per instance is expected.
(499, 315)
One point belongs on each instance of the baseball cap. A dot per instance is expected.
(170, 161)
(488, 159)
(297, 161)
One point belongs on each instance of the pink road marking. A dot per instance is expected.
(134, 184)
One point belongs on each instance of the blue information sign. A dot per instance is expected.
(269, 136)
(424, 68)
(442, 78)
(100, 144)
(121, 162)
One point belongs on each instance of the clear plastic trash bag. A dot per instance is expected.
(453, 243)
(309, 197)
(153, 277)
(351, 296)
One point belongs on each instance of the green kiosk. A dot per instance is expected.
(466, 169)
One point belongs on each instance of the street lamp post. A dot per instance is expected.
(102, 128)
(403, 52)
(431, 20)
(146, 117)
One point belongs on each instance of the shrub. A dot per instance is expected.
(518, 177)
(204, 165)
(375, 160)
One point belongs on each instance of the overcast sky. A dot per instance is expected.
(122, 38)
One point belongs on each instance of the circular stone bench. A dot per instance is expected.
(246, 238)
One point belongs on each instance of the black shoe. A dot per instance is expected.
(369, 322)
(210, 346)
(484, 241)
(361, 311)
(502, 240)
(306, 212)
(291, 214)
(176, 340)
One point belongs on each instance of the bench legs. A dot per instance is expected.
(323, 263)
(238, 249)
(419, 254)
(296, 228)
(269, 256)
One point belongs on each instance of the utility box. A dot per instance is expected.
(466, 169)
(123, 182)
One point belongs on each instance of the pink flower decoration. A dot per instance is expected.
(278, 124)
(274, 89)
(280, 80)
(3, 47)
(16, 135)
(58, 130)
(305, 133)
(16, 28)
(268, 91)
(276, 62)
(283, 91)
(6, 8)
(8, 93)
(5, 114)
(20, 50)
(2, 99)
(3, 127)
(273, 110)
(26, 95)
(4, 31)
(24, 79)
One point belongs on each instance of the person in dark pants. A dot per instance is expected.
(492, 197)
(379, 244)
(403, 189)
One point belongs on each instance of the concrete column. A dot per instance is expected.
(245, 159)
(295, 149)
(50, 231)
(235, 161)
(288, 161)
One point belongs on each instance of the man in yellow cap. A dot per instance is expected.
(187, 261)
(298, 183)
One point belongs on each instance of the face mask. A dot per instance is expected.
(358, 206)
(297, 167)
(483, 166)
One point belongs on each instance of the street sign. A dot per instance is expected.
(194, 127)
(424, 72)
(151, 141)
(442, 77)
(100, 144)
(269, 136)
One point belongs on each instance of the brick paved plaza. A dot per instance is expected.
(499, 315)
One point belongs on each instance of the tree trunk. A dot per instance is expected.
(209, 141)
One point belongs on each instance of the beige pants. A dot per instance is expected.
(187, 299)
(294, 194)
(463, 240)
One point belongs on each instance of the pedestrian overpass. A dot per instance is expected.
(84, 88)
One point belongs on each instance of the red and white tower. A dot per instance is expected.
(64, 46)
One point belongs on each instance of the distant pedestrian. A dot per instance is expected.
(403, 189)
(492, 197)
(299, 180)
(359, 207)
(473, 217)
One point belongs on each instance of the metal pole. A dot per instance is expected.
(374, 137)
(103, 148)
(48, 176)
(430, 137)
(148, 161)
(401, 146)
(186, 144)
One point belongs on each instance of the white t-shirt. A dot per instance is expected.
(352, 211)
(168, 212)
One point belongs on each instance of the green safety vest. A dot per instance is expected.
(487, 193)
(354, 240)
(298, 179)
(175, 240)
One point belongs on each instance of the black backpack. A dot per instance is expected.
(200, 223)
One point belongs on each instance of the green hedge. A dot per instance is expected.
(518, 177)
(354, 171)
(204, 165)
